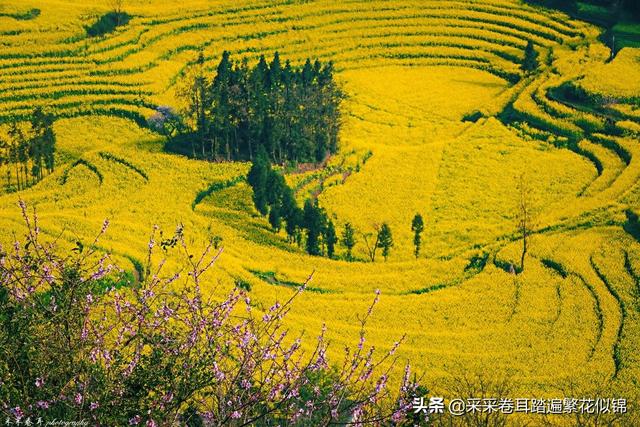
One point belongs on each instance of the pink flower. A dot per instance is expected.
(397, 416)
(94, 406)
(85, 331)
(17, 412)
(135, 420)
(381, 384)
(39, 382)
(78, 399)
(357, 413)
(235, 415)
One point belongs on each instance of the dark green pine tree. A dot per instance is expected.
(307, 73)
(20, 156)
(290, 212)
(275, 187)
(530, 61)
(222, 107)
(349, 239)
(288, 202)
(417, 226)
(275, 217)
(257, 179)
(42, 143)
(330, 238)
(385, 240)
(294, 220)
(313, 223)
(275, 71)
(49, 146)
(199, 100)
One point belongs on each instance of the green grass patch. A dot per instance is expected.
(270, 278)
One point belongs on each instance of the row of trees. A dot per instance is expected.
(273, 197)
(291, 112)
(28, 150)
(382, 239)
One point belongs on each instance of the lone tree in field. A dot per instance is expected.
(524, 218)
(372, 246)
(349, 239)
(116, 5)
(385, 240)
(117, 8)
(530, 61)
(417, 226)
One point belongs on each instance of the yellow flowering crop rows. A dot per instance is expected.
(414, 72)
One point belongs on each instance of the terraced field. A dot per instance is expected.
(412, 71)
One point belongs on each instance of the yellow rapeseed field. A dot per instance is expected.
(412, 71)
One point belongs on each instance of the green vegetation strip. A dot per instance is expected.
(636, 279)
(124, 162)
(597, 305)
(270, 278)
(216, 186)
(617, 358)
(88, 165)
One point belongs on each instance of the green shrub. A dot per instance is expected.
(25, 16)
(108, 23)
(473, 116)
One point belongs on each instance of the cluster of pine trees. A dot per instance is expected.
(272, 196)
(292, 112)
(28, 152)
